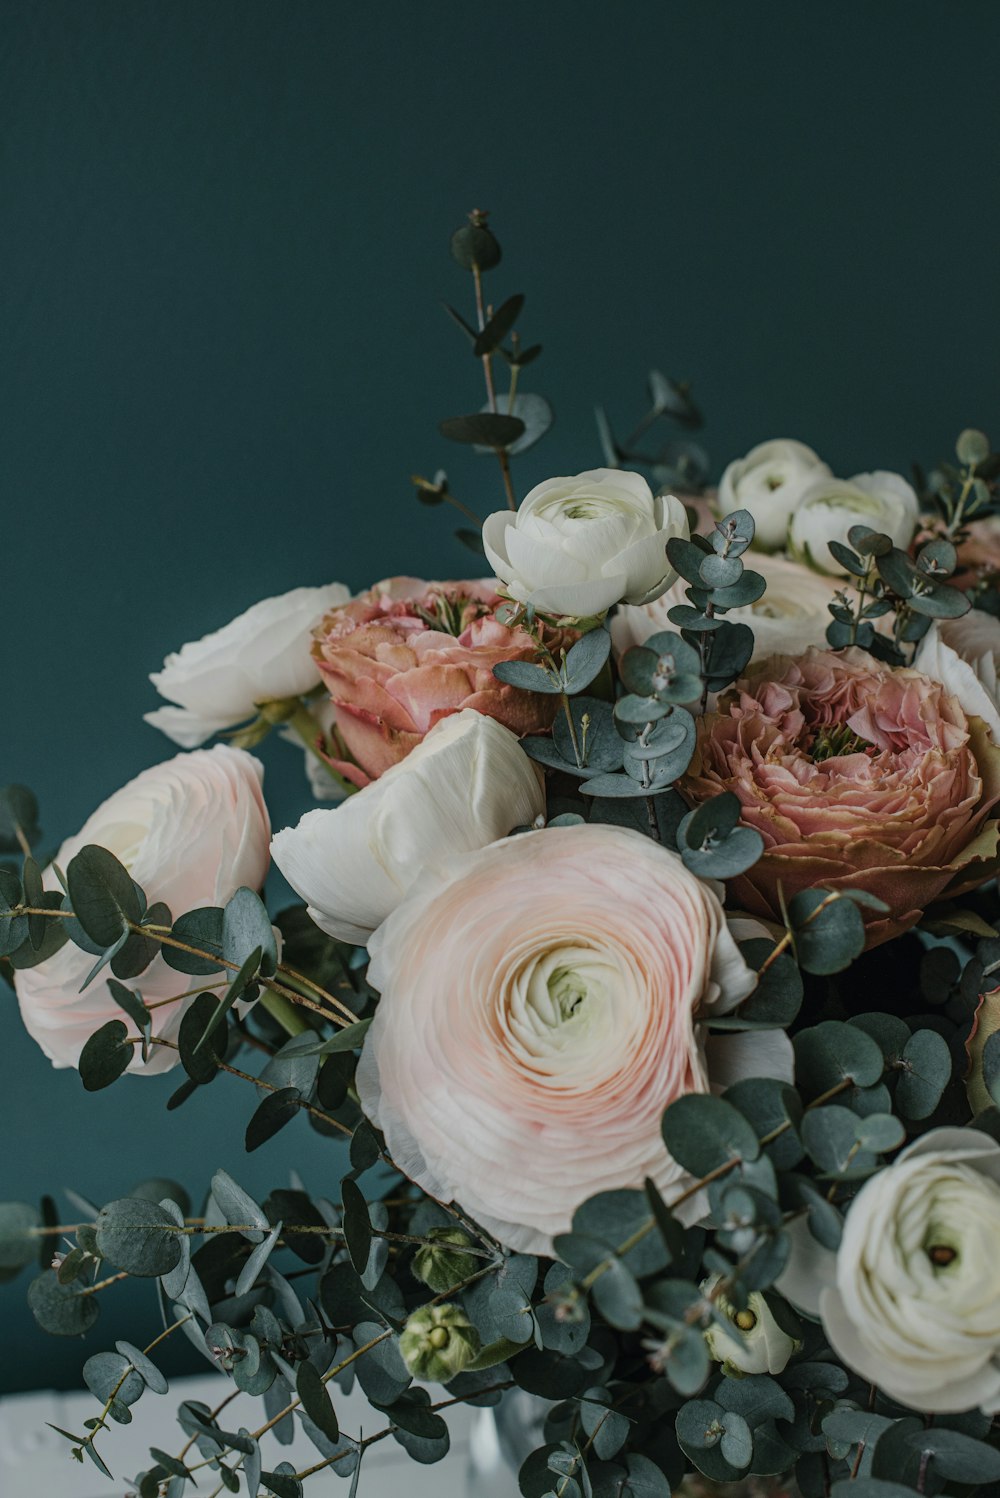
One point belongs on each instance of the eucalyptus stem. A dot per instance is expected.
(567, 709)
(161, 934)
(245, 1076)
(491, 394)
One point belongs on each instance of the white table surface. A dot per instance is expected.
(35, 1462)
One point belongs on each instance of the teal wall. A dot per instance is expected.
(222, 250)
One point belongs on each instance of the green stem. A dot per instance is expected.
(285, 1013)
(305, 726)
(564, 699)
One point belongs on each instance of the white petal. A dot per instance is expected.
(186, 728)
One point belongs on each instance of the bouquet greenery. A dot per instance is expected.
(644, 966)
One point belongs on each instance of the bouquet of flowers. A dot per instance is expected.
(643, 974)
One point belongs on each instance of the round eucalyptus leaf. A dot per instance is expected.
(534, 413)
(703, 1132)
(474, 246)
(108, 1374)
(246, 926)
(138, 1236)
(833, 1052)
(483, 429)
(720, 572)
(18, 1239)
(972, 447)
(103, 896)
(828, 936)
(63, 1310)
(925, 1071)
(201, 928)
(105, 1055)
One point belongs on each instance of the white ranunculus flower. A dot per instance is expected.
(753, 1342)
(911, 1299)
(577, 545)
(542, 1001)
(769, 482)
(191, 832)
(828, 508)
(466, 784)
(792, 615)
(262, 655)
(962, 653)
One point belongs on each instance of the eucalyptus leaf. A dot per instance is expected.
(105, 1055)
(703, 1132)
(102, 894)
(138, 1236)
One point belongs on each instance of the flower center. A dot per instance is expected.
(564, 1004)
(451, 615)
(567, 990)
(939, 1250)
(837, 739)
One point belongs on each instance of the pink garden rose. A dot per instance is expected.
(856, 775)
(190, 832)
(407, 653)
(542, 1002)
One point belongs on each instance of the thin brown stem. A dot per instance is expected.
(234, 1071)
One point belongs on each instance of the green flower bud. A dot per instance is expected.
(441, 1268)
(438, 1342)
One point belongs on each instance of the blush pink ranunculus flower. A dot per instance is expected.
(856, 775)
(407, 653)
(191, 832)
(541, 1004)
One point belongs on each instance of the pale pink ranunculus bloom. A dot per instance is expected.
(542, 1002)
(407, 653)
(191, 832)
(856, 775)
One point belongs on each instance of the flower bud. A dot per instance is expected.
(444, 1265)
(753, 1342)
(438, 1342)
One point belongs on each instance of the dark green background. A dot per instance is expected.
(223, 244)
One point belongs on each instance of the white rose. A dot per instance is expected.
(911, 1299)
(792, 615)
(466, 784)
(191, 832)
(262, 655)
(962, 653)
(769, 482)
(753, 1342)
(577, 545)
(829, 507)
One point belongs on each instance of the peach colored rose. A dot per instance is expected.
(857, 775)
(542, 1003)
(407, 653)
(190, 831)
